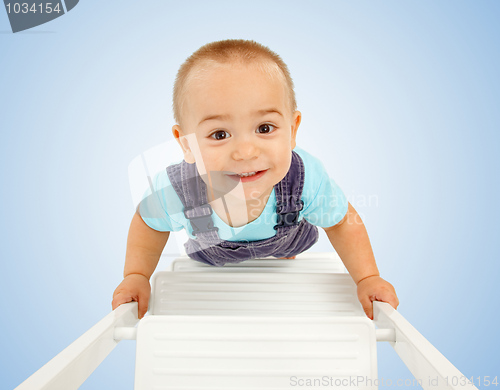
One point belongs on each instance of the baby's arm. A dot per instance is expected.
(350, 240)
(144, 247)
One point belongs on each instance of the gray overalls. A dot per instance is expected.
(292, 237)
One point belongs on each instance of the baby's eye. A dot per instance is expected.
(266, 128)
(219, 135)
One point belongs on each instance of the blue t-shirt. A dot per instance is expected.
(324, 205)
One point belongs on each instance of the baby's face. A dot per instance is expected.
(244, 129)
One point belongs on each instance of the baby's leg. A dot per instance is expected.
(293, 257)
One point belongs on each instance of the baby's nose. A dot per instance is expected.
(245, 150)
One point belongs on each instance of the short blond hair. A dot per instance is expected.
(230, 51)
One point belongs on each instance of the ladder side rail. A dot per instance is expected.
(425, 362)
(72, 366)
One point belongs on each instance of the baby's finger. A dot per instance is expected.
(389, 297)
(393, 301)
(367, 306)
(143, 304)
(120, 299)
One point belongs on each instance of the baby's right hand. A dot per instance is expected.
(135, 287)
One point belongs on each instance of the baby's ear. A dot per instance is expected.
(184, 144)
(296, 119)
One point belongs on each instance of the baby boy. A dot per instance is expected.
(243, 189)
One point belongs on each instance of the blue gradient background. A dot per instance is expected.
(399, 99)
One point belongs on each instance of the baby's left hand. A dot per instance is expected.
(374, 288)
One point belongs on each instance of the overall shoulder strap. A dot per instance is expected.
(192, 192)
(289, 193)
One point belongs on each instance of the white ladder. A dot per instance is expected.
(261, 324)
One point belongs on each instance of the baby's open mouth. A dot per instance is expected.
(247, 175)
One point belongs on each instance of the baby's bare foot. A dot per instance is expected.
(293, 257)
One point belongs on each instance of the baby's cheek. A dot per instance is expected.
(216, 161)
